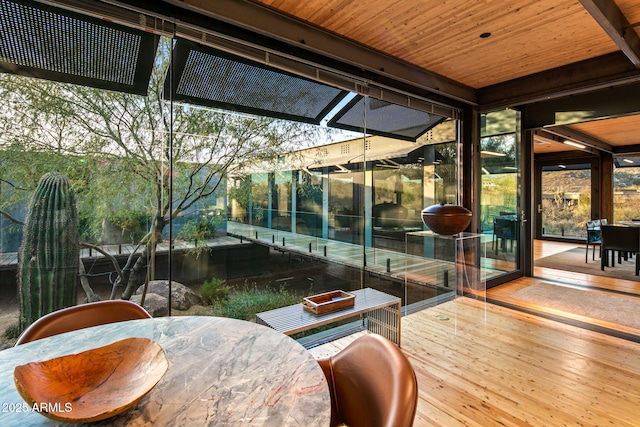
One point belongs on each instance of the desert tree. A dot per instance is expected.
(130, 153)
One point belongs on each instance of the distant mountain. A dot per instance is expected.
(571, 181)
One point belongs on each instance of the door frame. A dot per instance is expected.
(566, 158)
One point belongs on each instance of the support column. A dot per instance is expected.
(294, 199)
(250, 202)
(325, 203)
(270, 184)
(368, 204)
(429, 192)
(606, 186)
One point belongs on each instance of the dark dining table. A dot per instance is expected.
(633, 223)
(622, 237)
(221, 372)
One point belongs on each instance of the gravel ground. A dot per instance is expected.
(9, 313)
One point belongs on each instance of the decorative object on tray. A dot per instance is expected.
(329, 301)
(95, 384)
(446, 220)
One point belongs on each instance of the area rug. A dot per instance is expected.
(595, 304)
(573, 260)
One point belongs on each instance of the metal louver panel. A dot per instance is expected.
(384, 119)
(55, 44)
(210, 77)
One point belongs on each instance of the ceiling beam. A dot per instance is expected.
(273, 24)
(628, 150)
(566, 133)
(606, 103)
(606, 71)
(615, 24)
(546, 136)
(552, 159)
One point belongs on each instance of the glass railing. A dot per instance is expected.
(382, 267)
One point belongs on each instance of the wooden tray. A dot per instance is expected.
(328, 301)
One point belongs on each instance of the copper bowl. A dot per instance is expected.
(446, 220)
(95, 384)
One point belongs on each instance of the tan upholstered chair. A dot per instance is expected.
(372, 384)
(82, 316)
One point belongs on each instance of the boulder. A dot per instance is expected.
(155, 304)
(182, 298)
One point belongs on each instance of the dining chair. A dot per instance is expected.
(593, 239)
(504, 230)
(82, 316)
(372, 383)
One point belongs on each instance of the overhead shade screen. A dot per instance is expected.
(384, 119)
(209, 77)
(55, 44)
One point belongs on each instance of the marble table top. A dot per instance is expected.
(221, 372)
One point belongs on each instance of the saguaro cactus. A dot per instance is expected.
(48, 262)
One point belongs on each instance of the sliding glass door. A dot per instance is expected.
(500, 212)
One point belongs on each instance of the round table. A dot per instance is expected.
(221, 372)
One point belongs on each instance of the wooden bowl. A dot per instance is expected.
(446, 220)
(95, 384)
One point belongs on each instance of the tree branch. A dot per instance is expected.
(10, 217)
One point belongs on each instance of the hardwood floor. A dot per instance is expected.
(488, 365)
(493, 366)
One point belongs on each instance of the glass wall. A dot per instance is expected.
(397, 203)
(283, 218)
(260, 199)
(309, 203)
(346, 207)
(224, 186)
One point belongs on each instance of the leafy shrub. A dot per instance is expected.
(246, 303)
(130, 223)
(201, 228)
(12, 332)
(214, 291)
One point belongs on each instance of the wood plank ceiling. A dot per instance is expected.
(484, 45)
(446, 37)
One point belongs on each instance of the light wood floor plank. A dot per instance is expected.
(487, 365)
(522, 370)
(490, 365)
